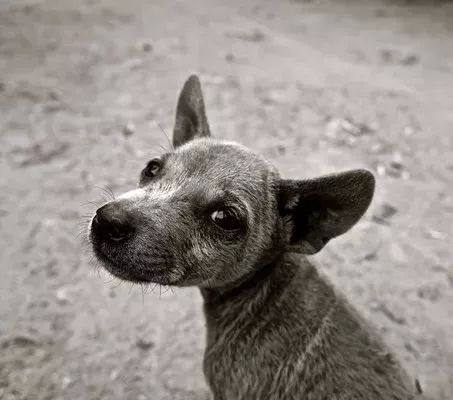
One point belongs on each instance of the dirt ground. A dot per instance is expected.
(316, 86)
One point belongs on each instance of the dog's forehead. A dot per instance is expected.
(207, 170)
(219, 161)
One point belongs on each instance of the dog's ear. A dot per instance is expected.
(316, 210)
(191, 121)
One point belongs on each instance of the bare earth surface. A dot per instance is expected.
(316, 86)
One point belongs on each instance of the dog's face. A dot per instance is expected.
(193, 219)
(210, 212)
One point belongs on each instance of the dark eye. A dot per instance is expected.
(226, 219)
(152, 168)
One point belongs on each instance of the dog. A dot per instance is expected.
(216, 215)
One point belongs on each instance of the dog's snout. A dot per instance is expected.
(113, 222)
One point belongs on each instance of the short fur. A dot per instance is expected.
(276, 329)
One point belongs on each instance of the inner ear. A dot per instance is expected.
(191, 121)
(317, 210)
(313, 210)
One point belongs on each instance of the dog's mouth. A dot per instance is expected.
(131, 273)
(119, 271)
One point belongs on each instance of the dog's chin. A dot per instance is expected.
(135, 275)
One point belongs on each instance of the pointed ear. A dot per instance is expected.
(316, 210)
(191, 121)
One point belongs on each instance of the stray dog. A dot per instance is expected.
(215, 215)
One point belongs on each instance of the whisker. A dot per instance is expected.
(168, 139)
(168, 288)
(118, 284)
(153, 287)
(110, 281)
(143, 294)
(93, 203)
(162, 148)
(109, 194)
(85, 217)
(110, 190)
(103, 198)
(81, 235)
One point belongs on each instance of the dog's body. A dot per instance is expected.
(288, 335)
(216, 215)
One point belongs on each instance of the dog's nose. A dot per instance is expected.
(112, 222)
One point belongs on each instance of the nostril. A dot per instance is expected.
(112, 223)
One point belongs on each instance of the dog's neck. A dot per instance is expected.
(252, 281)
(253, 290)
(267, 269)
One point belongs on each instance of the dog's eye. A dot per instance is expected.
(226, 219)
(152, 168)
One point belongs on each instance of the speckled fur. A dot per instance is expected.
(276, 329)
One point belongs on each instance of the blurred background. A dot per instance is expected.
(316, 86)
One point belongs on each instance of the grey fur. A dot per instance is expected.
(276, 329)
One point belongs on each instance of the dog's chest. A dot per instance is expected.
(246, 359)
(237, 369)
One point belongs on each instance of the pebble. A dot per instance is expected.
(66, 381)
(129, 129)
(408, 131)
(405, 175)
(229, 57)
(144, 344)
(391, 315)
(21, 340)
(347, 131)
(429, 293)
(433, 234)
(377, 148)
(410, 59)
(394, 168)
(397, 159)
(388, 211)
(147, 47)
(114, 374)
(391, 56)
(418, 386)
(281, 149)
(54, 95)
(62, 295)
(381, 170)
(254, 36)
(385, 212)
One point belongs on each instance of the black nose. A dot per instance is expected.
(113, 223)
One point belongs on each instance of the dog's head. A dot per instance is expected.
(210, 212)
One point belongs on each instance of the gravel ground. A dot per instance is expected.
(316, 86)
